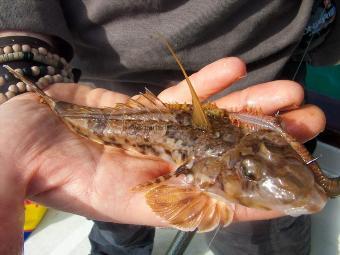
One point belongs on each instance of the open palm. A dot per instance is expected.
(43, 160)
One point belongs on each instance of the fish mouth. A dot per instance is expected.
(314, 202)
(293, 202)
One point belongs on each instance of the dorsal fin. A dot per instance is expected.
(143, 102)
(148, 99)
(199, 118)
(254, 119)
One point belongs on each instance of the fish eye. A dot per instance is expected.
(251, 169)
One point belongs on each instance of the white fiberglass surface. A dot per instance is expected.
(326, 224)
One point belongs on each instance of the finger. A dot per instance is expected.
(269, 97)
(304, 123)
(85, 95)
(208, 81)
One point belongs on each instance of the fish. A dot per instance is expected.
(222, 158)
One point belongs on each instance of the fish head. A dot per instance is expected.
(264, 171)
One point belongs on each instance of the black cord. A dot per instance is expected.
(180, 243)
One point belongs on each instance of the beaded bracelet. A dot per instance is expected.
(25, 52)
(36, 71)
(40, 63)
(20, 87)
(59, 47)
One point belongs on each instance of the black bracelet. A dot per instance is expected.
(32, 41)
(59, 47)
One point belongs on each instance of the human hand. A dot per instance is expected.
(283, 96)
(44, 161)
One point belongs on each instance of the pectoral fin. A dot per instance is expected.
(188, 208)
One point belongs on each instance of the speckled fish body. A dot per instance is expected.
(167, 133)
(217, 168)
(224, 165)
(223, 158)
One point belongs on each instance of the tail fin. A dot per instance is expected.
(34, 86)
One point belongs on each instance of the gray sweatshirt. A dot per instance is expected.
(115, 44)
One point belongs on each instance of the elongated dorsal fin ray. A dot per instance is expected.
(199, 118)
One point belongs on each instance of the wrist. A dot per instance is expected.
(34, 58)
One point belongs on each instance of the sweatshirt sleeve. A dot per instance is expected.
(38, 16)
